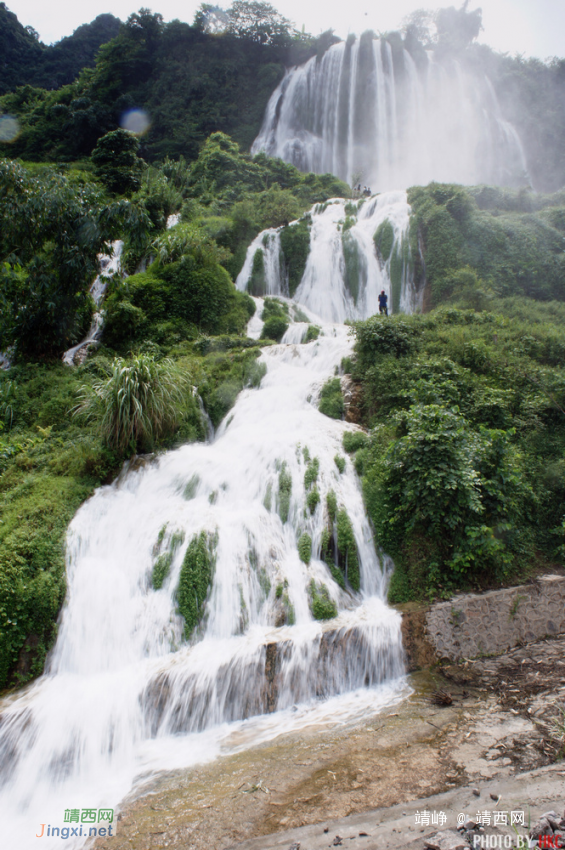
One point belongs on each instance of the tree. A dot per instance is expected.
(211, 19)
(116, 162)
(51, 232)
(258, 22)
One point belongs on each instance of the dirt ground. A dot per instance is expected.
(506, 717)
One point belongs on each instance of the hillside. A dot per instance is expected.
(27, 61)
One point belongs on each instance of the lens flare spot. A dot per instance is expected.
(135, 121)
(9, 128)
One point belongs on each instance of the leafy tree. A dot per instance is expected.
(258, 22)
(117, 163)
(51, 232)
(211, 19)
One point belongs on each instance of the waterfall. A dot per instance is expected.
(367, 113)
(109, 265)
(356, 249)
(125, 694)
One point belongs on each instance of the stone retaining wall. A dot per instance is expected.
(490, 623)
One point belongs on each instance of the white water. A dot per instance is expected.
(124, 696)
(329, 287)
(109, 265)
(368, 114)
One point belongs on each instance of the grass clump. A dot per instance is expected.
(195, 579)
(139, 402)
(276, 319)
(305, 548)
(312, 334)
(331, 399)
(311, 474)
(340, 463)
(285, 489)
(347, 549)
(322, 605)
(354, 440)
(313, 500)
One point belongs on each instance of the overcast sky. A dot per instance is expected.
(531, 27)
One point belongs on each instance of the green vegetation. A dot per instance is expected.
(116, 163)
(339, 550)
(463, 471)
(305, 548)
(195, 579)
(312, 334)
(322, 605)
(140, 402)
(162, 565)
(483, 242)
(347, 549)
(311, 474)
(331, 399)
(190, 82)
(295, 247)
(285, 488)
(26, 61)
(49, 465)
(340, 463)
(353, 441)
(276, 319)
(313, 500)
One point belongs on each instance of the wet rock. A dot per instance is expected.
(447, 840)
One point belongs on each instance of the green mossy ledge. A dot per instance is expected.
(322, 605)
(339, 549)
(196, 576)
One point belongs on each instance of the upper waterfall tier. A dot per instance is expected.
(353, 250)
(368, 114)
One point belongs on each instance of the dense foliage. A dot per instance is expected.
(463, 472)
(483, 241)
(26, 61)
(191, 83)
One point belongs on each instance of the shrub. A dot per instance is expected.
(340, 463)
(141, 401)
(313, 500)
(195, 579)
(354, 440)
(285, 487)
(305, 548)
(322, 605)
(331, 399)
(274, 328)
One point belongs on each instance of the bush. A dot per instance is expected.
(354, 440)
(140, 402)
(305, 548)
(274, 328)
(195, 579)
(322, 605)
(331, 399)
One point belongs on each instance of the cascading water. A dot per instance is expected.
(124, 694)
(109, 265)
(367, 113)
(357, 249)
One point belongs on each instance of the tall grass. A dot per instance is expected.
(141, 401)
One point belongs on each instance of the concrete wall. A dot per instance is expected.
(489, 623)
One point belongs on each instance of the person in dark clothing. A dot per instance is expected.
(383, 299)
